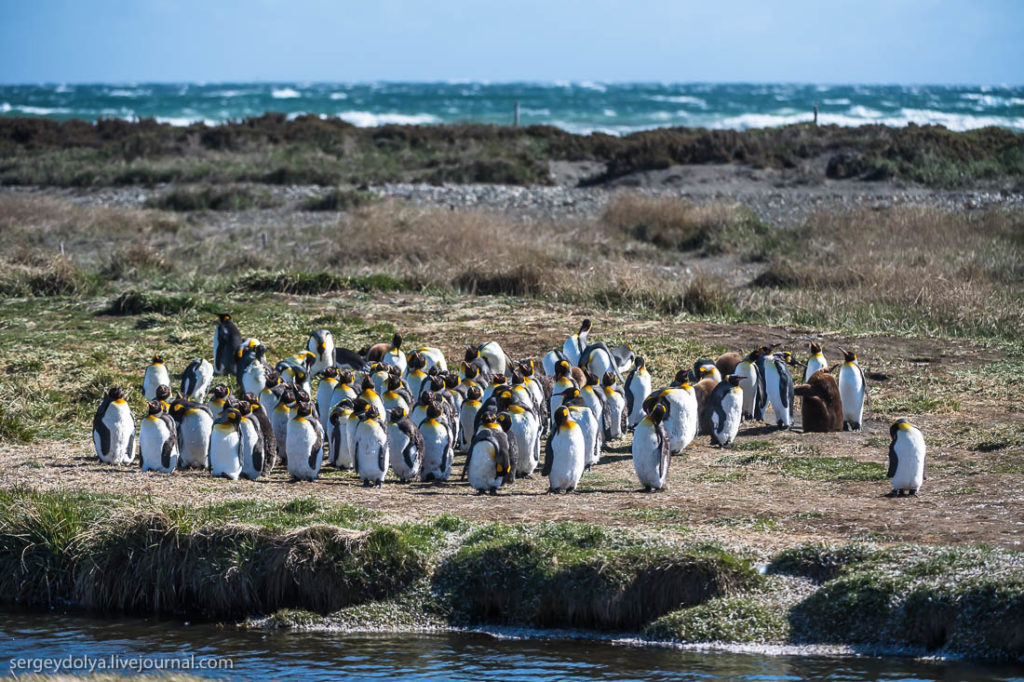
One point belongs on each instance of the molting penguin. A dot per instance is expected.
(705, 369)
(405, 445)
(651, 455)
(778, 383)
(113, 429)
(727, 362)
(156, 375)
(196, 379)
(226, 341)
(218, 400)
(638, 387)
(321, 345)
(158, 440)
(437, 445)
(226, 446)
(906, 458)
(815, 362)
(725, 407)
(304, 444)
(853, 390)
(371, 449)
(195, 425)
(250, 370)
(821, 408)
(564, 453)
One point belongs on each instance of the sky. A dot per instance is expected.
(827, 41)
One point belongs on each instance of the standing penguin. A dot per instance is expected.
(437, 445)
(638, 387)
(324, 392)
(395, 356)
(321, 345)
(338, 440)
(156, 376)
(195, 424)
(259, 413)
(615, 402)
(226, 341)
(219, 400)
(778, 383)
(760, 361)
(564, 453)
(681, 416)
(493, 354)
(563, 382)
(405, 445)
(488, 463)
(113, 429)
(753, 395)
(226, 446)
(252, 448)
(250, 370)
(815, 362)
(725, 407)
(158, 440)
(281, 417)
(588, 424)
(651, 454)
(415, 376)
(468, 414)
(196, 379)
(371, 449)
(906, 458)
(575, 344)
(821, 408)
(853, 390)
(304, 444)
(525, 430)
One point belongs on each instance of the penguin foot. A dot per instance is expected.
(892, 493)
(647, 489)
(366, 483)
(570, 490)
(494, 491)
(912, 493)
(378, 484)
(552, 491)
(846, 426)
(479, 493)
(855, 426)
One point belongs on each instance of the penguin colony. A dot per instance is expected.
(384, 409)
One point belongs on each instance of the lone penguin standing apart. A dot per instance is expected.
(906, 458)
(853, 390)
(226, 341)
(113, 429)
(156, 376)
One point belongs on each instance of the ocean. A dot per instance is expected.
(583, 107)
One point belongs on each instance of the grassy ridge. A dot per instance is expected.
(311, 150)
(302, 558)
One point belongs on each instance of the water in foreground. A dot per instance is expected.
(463, 656)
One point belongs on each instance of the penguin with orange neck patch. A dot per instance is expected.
(113, 429)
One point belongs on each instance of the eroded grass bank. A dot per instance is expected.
(305, 563)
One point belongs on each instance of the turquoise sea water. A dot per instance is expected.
(578, 107)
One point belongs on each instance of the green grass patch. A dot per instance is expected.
(213, 199)
(817, 468)
(723, 619)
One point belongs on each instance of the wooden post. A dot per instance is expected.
(263, 238)
(515, 115)
(815, 113)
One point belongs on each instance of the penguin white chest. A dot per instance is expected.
(639, 388)
(814, 363)
(681, 420)
(194, 438)
(226, 451)
(569, 451)
(748, 382)
(588, 425)
(482, 467)
(372, 458)
(647, 456)
(154, 434)
(616, 404)
(725, 421)
(303, 449)
(526, 432)
(910, 452)
(851, 392)
(405, 459)
(156, 376)
(437, 451)
(120, 425)
(253, 457)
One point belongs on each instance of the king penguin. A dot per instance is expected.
(638, 387)
(394, 355)
(253, 446)
(437, 445)
(156, 376)
(196, 380)
(853, 390)
(750, 382)
(195, 425)
(778, 383)
(321, 344)
(371, 449)
(815, 362)
(651, 454)
(304, 444)
(615, 400)
(906, 458)
(725, 407)
(226, 446)
(405, 445)
(113, 429)
(564, 453)
(158, 440)
(226, 341)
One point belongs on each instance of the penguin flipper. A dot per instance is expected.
(318, 447)
(664, 454)
(549, 456)
(100, 428)
(131, 445)
(894, 460)
(167, 450)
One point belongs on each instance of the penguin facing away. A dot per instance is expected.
(821, 409)
(650, 450)
(853, 390)
(113, 429)
(226, 340)
(156, 376)
(906, 458)
(158, 440)
(725, 407)
(196, 379)
(405, 445)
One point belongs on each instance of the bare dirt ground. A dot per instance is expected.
(974, 493)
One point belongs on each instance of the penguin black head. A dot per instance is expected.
(657, 413)
(424, 399)
(436, 383)
(585, 327)
(608, 379)
(766, 350)
(703, 362)
(345, 377)
(396, 414)
(562, 368)
(394, 383)
(299, 375)
(252, 399)
(527, 368)
(651, 401)
(273, 378)
(518, 379)
(224, 317)
(396, 341)
(815, 348)
(301, 396)
(639, 363)
(154, 407)
(592, 379)
(415, 360)
(158, 359)
(221, 391)
(569, 394)
(488, 417)
(733, 379)
(370, 412)
(505, 421)
(339, 411)
(359, 406)
(847, 355)
(163, 392)
(451, 381)
(303, 409)
(471, 371)
(498, 380)
(288, 396)
(505, 397)
(232, 416)
(433, 371)
(330, 373)
(244, 407)
(472, 353)
(433, 410)
(899, 425)
(561, 416)
(682, 376)
(474, 393)
(367, 384)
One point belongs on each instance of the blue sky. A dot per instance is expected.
(827, 41)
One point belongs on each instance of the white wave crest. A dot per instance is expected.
(860, 111)
(128, 93)
(681, 99)
(368, 119)
(36, 111)
(285, 93)
(837, 102)
(339, 95)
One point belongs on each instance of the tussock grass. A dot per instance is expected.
(55, 276)
(338, 200)
(213, 199)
